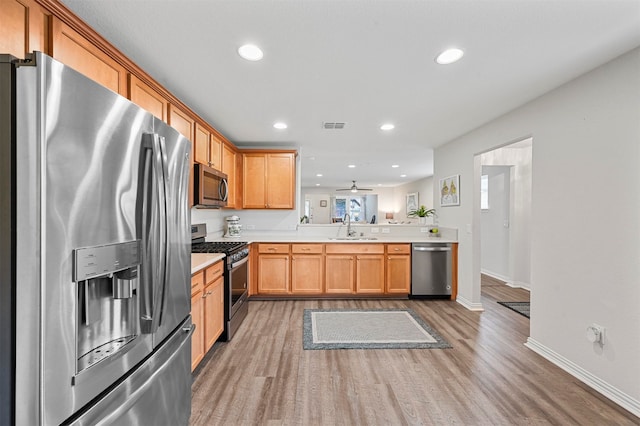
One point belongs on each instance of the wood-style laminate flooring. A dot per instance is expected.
(263, 376)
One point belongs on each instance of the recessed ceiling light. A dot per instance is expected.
(387, 126)
(351, 166)
(395, 166)
(403, 175)
(319, 175)
(250, 52)
(449, 56)
(280, 125)
(317, 184)
(379, 184)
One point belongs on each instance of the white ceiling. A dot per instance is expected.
(363, 62)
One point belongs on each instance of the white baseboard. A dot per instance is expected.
(611, 392)
(469, 305)
(520, 284)
(508, 281)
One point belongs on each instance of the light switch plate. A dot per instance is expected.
(385, 230)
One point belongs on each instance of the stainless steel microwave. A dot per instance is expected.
(211, 187)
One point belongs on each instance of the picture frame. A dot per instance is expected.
(449, 191)
(323, 203)
(412, 202)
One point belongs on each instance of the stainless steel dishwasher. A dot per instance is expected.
(430, 270)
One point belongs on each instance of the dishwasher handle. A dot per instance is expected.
(432, 248)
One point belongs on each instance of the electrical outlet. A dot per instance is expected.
(424, 229)
(249, 227)
(595, 334)
(375, 230)
(385, 230)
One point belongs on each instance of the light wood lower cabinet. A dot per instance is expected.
(333, 269)
(370, 273)
(197, 318)
(398, 268)
(339, 274)
(207, 310)
(307, 269)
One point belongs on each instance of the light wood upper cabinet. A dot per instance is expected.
(215, 152)
(229, 168)
(147, 98)
(208, 148)
(183, 123)
(201, 142)
(71, 48)
(24, 27)
(268, 180)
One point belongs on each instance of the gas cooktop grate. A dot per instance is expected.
(217, 247)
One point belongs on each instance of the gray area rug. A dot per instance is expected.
(368, 329)
(523, 308)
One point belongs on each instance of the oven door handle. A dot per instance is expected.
(240, 263)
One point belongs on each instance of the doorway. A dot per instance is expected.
(505, 214)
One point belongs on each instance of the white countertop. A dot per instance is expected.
(275, 238)
(202, 260)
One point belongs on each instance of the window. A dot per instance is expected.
(484, 192)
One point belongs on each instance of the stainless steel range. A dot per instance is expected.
(235, 276)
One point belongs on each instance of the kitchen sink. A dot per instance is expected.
(354, 238)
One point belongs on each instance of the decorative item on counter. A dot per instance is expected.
(422, 213)
(434, 231)
(234, 229)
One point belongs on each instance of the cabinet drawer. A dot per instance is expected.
(306, 248)
(273, 248)
(355, 248)
(197, 282)
(214, 271)
(398, 248)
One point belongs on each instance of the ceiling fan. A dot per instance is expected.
(354, 188)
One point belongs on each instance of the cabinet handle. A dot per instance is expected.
(396, 249)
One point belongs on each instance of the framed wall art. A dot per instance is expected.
(323, 203)
(450, 191)
(412, 202)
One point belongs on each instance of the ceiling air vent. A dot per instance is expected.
(333, 125)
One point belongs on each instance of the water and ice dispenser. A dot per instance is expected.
(107, 300)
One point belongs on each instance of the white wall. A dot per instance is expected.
(494, 252)
(585, 248)
(424, 188)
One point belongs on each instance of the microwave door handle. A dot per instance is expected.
(152, 231)
(223, 190)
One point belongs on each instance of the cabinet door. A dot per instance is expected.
(339, 274)
(254, 170)
(398, 274)
(146, 97)
(280, 181)
(229, 168)
(273, 274)
(201, 143)
(215, 152)
(212, 313)
(71, 48)
(184, 124)
(307, 273)
(197, 339)
(23, 27)
(370, 274)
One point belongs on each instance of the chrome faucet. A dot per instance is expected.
(350, 233)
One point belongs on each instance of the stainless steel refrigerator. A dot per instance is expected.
(95, 254)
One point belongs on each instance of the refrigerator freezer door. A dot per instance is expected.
(156, 393)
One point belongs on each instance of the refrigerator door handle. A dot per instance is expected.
(153, 228)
